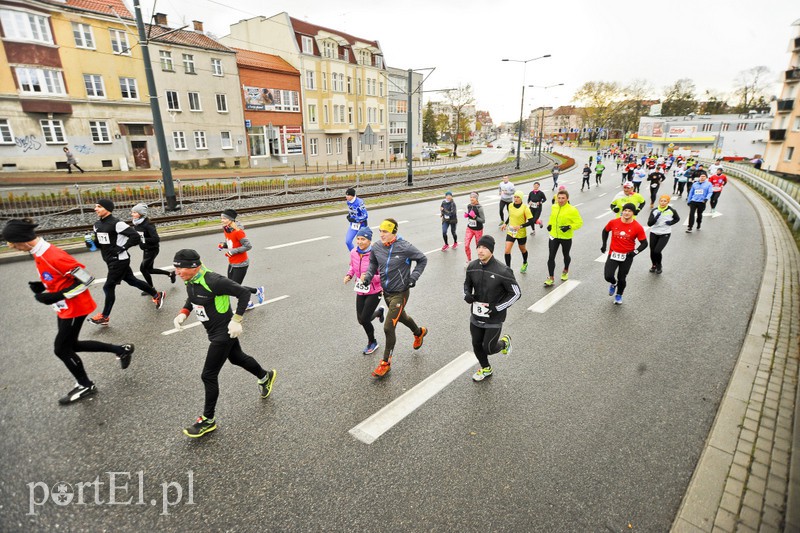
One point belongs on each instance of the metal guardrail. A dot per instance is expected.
(784, 194)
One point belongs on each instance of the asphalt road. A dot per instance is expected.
(594, 423)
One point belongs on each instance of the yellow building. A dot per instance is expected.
(783, 150)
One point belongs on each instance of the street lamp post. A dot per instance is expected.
(522, 100)
(541, 128)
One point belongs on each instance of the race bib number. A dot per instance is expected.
(480, 309)
(617, 256)
(513, 233)
(103, 238)
(472, 223)
(60, 306)
(360, 288)
(654, 185)
(200, 312)
(355, 225)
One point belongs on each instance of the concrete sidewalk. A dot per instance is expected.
(748, 477)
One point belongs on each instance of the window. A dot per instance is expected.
(194, 102)
(53, 131)
(360, 115)
(358, 86)
(99, 129)
(379, 61)
(40, 81)
(724, 126)
(325, 114)
(381, 89)
(312, 113)
(341, 114)
(225, 140)
(6, 136)
(397, 127)
(188, 63)
(166, 60)
(308, 44)
(119, 42)
(796, 124)
(398, 106)
(350, 114)
(349, 85)
(328, 49)
(328, 146)
(179, 140)
(759, 126)
(84, 38)
(346, 55)
(707, 127)
(313, 147)
(200, 140)
(789, 153)
(222, 103)
(310, 80)
(380, 118)
(338, 145)
(18, 25)
(128, 88)
(325, 82)
(94, 86)
(216, 67)
(173, 102)
(380, 142)
(742, 126)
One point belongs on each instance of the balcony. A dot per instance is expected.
(797, 43)
(793, 75)
(777, 135)
(785, 105)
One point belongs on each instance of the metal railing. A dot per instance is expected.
(784, 194)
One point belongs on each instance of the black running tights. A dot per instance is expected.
(366, 305)
(147, 269)
(621, 268)
(485, 342)
(657, 244)
(67, 344)
(218, 353)
(566, 245)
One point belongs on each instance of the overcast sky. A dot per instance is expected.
(708, 41)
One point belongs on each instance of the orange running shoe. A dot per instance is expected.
(418, 339)
(382, 369)
(99, 319)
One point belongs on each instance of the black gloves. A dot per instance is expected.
(350, 219)
(49, 298)
(412, 283)
(36, 286)
(603, 249)
(657, 214)
(121, 250)
(565, 228)
(615, 208)
(549, 227)
(469, 298)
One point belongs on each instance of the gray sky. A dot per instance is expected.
(708, 41)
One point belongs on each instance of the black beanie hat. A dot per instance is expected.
(18, 230)
(631, 207)
(230, 214)
(487, 241)
(186, 258)
(350, 192)
(106, 203)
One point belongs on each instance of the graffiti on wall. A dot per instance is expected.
(29, 142)
(83, 149)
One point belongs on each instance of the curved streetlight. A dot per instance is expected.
(522, 100)
(541, 129)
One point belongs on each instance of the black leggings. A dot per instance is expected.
(485, 342)
(114, 279)
(714, 199)
(452, 231)
(566, 245)
(237, 274)
(653, 194)
(621, 268)
(636, 185)
(218, 353)
(657, 244)
(366, 307)
(696, 209)
(67, 344)
(503, 205)
(681, 186)
(146, 268)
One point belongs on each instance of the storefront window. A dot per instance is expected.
(258, 142)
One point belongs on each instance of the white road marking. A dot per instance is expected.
(601, 259)
(578, 205)
(607, 214)
(98, 281)
(297, 242)
(197, 323)
(602, 195)
(551, 299)
(376, 425)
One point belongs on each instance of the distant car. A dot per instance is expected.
(498, 146)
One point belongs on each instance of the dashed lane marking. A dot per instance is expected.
(551, 299)
(197, 323)
(297, 242)
(601, 259)
(376, 425)
(602, 195)
(606, 215)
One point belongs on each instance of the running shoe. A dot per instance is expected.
(382, 369)
(565, 275)
(482, 374)
(418, 338)
(507, 345)
(78, 393)
(250, 305)
(381, 314)
(549, 282)
(445, 247)
(99, 320)
(658, 270)
(125, 358)
(540, 223)
(698, 227)
(688, 230)
(201, 426)
(371, 347)
(653, 268)
(144, 293)
(159, 299)
(260, 294)
(612, 289)
(523, 268)
(618, 299)
(172, 276)
(265, 385)
(455, 245)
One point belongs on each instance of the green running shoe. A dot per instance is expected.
(202, 426)
(523, 268)
(265, 385)
(564, 276)
(507, 348)
(482, 374)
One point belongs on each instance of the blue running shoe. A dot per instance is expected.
(260, 294)
(371, 347)
(612, 289)
(618, 299)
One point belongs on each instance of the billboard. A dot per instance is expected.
(682, 131)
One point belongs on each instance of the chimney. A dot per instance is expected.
(198, 26)
(161, 19)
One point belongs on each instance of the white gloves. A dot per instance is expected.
(235, 326)
(179, 320)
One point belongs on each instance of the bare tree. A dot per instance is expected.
(458, 99)
(679, 98)
(713, 103)
(750, 86)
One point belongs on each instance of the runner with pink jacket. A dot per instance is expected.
(367, 296)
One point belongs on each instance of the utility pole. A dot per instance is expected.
(158, 126)
(409, 130)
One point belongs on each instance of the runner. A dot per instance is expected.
(677, 174)
(114, 237)
(149, 245)
(490, 289)
(449, 219)
(536, 200)
(656, 178)
(718, 180)
(356, 216)
(627, 195)
(475, 220)
(564, 221)
(555, 171)
(625, 231)
(661, 220)
(639, 176)
(367, 296)
(506, 196)
(236, 245)
(697, 197)
(519, 218)
(599, 168)
(208, 295)
(392, 261)
(586, 173)
(63, 283)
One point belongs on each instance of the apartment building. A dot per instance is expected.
(782, 153)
